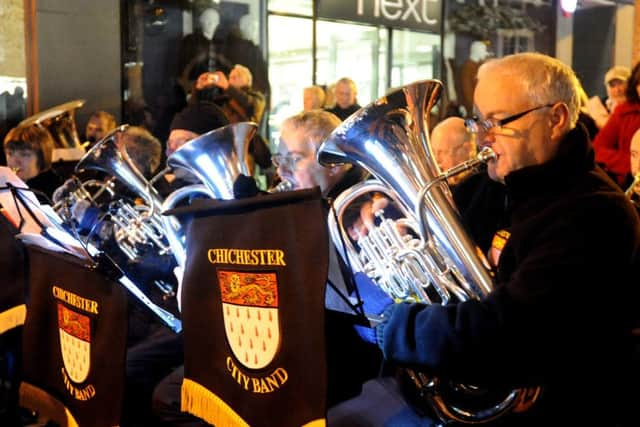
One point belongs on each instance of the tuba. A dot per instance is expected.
(60, 122)
(435, 262)
(216, 158)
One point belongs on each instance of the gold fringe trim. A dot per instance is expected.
(316, 423)
(12, 318)
(201, 402)
(35, 398)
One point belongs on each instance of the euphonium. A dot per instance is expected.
(136, 226)
(435, 262)
(60, 122)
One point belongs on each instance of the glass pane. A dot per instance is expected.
(416, 56)
(299, 7)
(13, 82)
(168, 44)
(290, 67)
(355, 51)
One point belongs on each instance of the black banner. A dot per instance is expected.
(253, 310)
(74, 342)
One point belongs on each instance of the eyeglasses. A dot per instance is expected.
(481, 127)
(289, 161)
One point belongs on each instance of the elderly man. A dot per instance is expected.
(296, 161)
(345, 94)
(451, 145)
(571, 231)
(100, 124)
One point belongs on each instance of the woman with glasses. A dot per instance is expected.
(613, 140)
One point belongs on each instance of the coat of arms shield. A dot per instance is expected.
(250, 311)
(75, 342)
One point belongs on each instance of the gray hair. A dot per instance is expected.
(145, 148)
(246, 72)
(316, 125)
(545, 80)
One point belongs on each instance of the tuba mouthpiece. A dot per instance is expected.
(281, 187)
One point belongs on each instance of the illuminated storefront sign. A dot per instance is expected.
(423, 15)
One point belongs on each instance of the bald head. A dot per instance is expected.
(451, 143)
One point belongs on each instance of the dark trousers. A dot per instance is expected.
(166, 402)
(148, 363)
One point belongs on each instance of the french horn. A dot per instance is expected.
(435, 262)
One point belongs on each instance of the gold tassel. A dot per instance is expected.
(201, 402)
(35, 398)
(316, 423)
(12, 318)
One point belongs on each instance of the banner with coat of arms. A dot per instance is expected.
(253, 310)
(74, 342)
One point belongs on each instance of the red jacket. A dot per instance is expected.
(612, 141)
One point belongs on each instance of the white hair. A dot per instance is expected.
(545, 80)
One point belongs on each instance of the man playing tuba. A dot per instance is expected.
(571, 232)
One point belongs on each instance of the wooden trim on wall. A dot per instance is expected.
(31, 57)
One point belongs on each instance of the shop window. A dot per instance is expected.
(514, 41)
(296, 7)
(416, 56)
(290, 67)
(355, 51)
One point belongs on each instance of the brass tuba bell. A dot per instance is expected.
(435, 262)
(216, 158)
(60, 122)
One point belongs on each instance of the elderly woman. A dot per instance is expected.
(28, 150)
(613, 140)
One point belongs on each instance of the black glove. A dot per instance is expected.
(245, 186)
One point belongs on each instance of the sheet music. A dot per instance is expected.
(15, 208)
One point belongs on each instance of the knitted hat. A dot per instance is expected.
(199, 118)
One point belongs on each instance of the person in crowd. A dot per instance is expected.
(240, 103)
(539, 320)
(301, 135)
(615, 82)
(584, 118)
(99, 125)
(612, 141)
(313, 98)
(28, 150)
(330, 98)
(156, 356)
(346, 94)
(451, 145)
(633, 181)
(194, 120)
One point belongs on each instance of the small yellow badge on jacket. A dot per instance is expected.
(497, 244)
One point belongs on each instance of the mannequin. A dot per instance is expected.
(477, 54)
